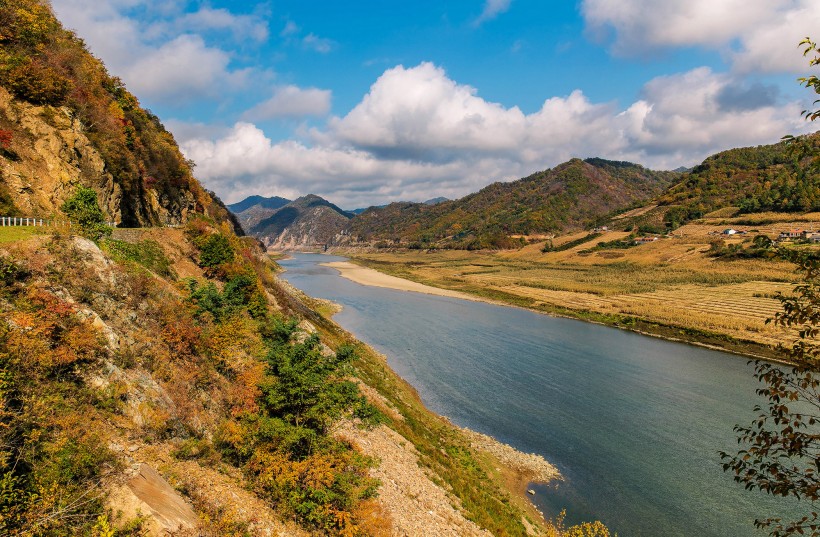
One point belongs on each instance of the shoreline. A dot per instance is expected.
(371, 277)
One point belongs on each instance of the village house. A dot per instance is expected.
(730, 231)
(812, 236)
(644, 240)
(791, 234)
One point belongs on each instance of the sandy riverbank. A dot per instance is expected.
(374, 278)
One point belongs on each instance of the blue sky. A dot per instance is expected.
(375, 101)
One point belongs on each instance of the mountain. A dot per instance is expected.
(273, 202)
(568, 197)
(306, 222)
(65, 122)
(363, 209)
(252, 210)
(436, 201)
(746, 179)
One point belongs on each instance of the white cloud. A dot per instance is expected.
(758, 36)
(492, 9)
(241, 26)
(289, 29)
(417, 133)
(318, 44)
(181, 68)
(159, 60)
(292, 102)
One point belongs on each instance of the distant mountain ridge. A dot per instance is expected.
(252, 210)
(273, 202)
(570, 196)
(575, 195)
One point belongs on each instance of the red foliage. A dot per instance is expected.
(5, 138)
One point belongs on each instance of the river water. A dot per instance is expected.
(634, 423)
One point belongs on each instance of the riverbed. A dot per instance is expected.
(633, 423)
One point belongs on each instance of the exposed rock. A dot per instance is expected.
(535, 467)
(146, 494)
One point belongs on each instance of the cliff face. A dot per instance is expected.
(65, 122)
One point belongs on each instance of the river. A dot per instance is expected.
(634, 423)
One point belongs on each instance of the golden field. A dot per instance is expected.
(670, 287)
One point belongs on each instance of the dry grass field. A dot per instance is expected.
(671, 283)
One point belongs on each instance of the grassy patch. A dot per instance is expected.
(146, 253)
(18, 233)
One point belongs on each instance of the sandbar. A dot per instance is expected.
(374, 278)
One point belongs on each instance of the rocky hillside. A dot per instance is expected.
(307, 222)
(164, 381)
(567, 197)
(65, 122)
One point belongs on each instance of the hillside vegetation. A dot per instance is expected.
(569, 197)
(750, 179)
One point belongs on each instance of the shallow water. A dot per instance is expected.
(634, 423)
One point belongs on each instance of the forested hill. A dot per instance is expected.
(65, 122)
(570, 196)
(747, 180)
(754, 179)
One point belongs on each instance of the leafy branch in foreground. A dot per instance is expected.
(780, 452)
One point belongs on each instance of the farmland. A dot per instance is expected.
(671, 287)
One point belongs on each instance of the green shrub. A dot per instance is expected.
(215, 250)
(82, 208)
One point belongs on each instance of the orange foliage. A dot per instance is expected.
(244, 392)
(5, 138)
(179, 331)
(234, 343)
(50, 334)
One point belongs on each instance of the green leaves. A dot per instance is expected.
(82, 208)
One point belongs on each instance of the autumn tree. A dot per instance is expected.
(780, 450)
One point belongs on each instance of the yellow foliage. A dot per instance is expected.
(103, 528)
(235, 343)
